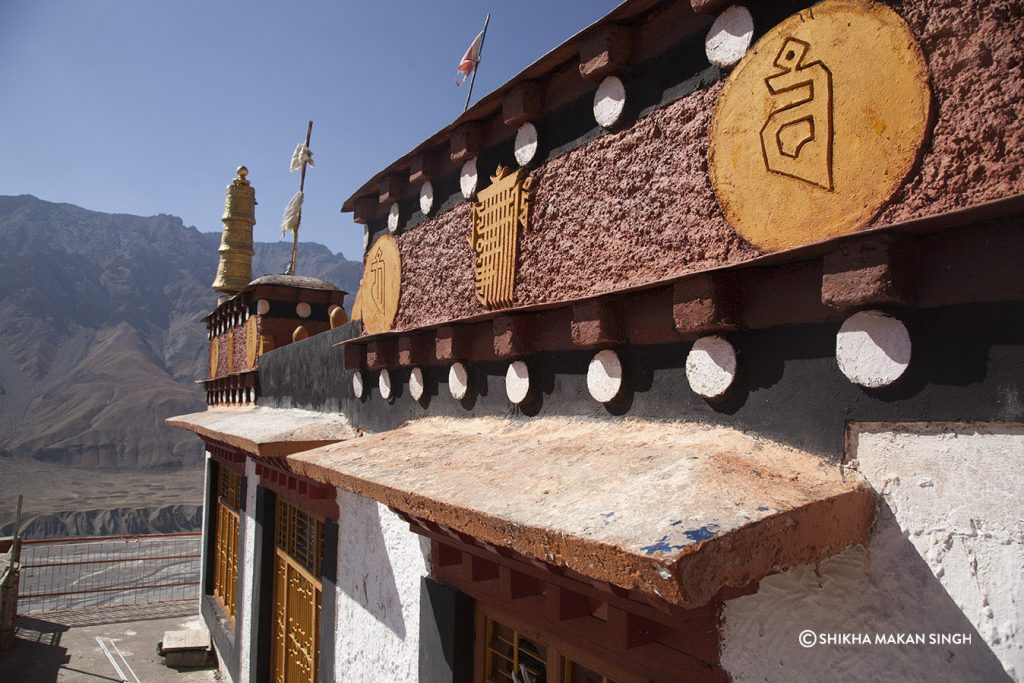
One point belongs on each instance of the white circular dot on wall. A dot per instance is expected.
(729, 37)
(604, 376)
(302, 309)
(517, 381)
(393, 213)
(609, 101)
(357, 383)
(711, 366)
(384, 384)
(526, 143)
(458, 381)
(426, 197)
(873, 349)
(263, 307)
(468, 178)
(416, 385)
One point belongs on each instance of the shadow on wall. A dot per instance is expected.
(365, 572)
(884, 589)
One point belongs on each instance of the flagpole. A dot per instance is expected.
(477, 63)
(302, 186)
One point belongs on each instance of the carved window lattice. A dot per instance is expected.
(295, 638)
(225, 556)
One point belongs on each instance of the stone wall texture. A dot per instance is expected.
(945, 558)
(636, 205)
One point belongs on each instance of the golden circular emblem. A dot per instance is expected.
(252, 343)
(377, 298)
(819, 124)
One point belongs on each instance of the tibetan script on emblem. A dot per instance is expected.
(498, 214)
(796, 140)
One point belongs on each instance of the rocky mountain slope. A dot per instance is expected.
(100, 336)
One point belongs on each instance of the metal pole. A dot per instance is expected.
(16, 543)
(302, 185)
(476, 65)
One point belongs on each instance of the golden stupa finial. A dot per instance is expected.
(234, 270)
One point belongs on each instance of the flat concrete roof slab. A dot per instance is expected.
(267, 431)
(680, 510)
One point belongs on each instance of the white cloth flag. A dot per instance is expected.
(301, 154)
(292, 213)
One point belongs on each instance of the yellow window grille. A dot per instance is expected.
(511, 657)
(225, 556)
(295, 640)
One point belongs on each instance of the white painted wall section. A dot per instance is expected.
(380, 566)
(946, 558)
(246, 604)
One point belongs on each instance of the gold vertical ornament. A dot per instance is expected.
(502, 209)
(234, 270)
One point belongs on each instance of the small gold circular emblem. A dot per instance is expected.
(379, 290)
(252, 343)
(819, 124)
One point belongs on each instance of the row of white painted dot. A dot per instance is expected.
(725, 45)
(872, 350)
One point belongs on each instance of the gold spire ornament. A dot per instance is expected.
(234, 270)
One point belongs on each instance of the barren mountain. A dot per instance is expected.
(100, 337)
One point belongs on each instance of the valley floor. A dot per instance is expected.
(93, 501)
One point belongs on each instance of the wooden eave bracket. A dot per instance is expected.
(382, 353)
(391, 187)
(466, 141)
(451, 343)
(876, 272)
(706, 304)
(415, 349)
(366, 209)
(424, 167)
(513, 335)
(522, 104)
(354, 356)
(597, 322)
(605, 52)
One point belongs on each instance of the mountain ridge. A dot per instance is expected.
(100, 332)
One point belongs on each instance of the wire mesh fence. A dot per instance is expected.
(72, 573)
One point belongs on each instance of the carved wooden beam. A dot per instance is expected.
(876, 272)
(355, 356)
(605, 52)
(466, 142)
(424, 167)
(561, 604)
(706, 304)
(391, 187)
(523, 103)
(596, 323)
(366, 209)
(476, 568)
(626, 630)
(381, 353)
(513, 585)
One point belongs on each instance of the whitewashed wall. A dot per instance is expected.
(245, 605)
(380, 565)
(947, 556)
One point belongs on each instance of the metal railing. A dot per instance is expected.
(71, 573)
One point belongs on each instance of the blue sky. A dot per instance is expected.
(147, 107)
